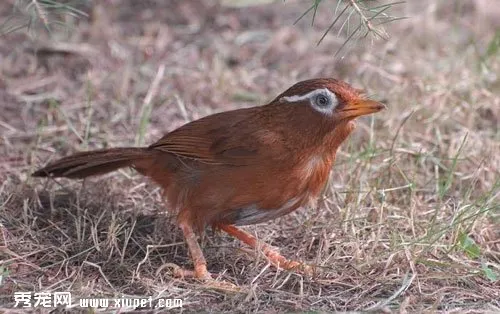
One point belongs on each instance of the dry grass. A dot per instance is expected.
(409, 221)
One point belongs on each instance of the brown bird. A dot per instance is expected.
(240, 167)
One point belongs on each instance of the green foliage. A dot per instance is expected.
(468, 245)
(445, 184)
(4, 273)
(494, 46)
(492, 51)
(489, 273)
(473, 251)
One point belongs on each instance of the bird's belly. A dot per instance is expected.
(300, 188)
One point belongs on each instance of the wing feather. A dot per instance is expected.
(227, 138)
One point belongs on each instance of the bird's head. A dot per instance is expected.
(331, 99)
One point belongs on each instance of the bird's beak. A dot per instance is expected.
(361, 107)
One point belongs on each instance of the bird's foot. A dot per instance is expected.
(201, 273)
(283, 263)
(271, 253)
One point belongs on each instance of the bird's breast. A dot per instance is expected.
(312, 174)
(311, 167)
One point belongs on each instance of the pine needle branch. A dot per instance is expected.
(31, 14)
(367, 19)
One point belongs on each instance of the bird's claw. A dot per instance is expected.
(201, 274)
(298, 267)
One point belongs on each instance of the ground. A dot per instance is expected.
(409, 221)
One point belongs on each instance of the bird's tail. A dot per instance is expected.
(84, 164)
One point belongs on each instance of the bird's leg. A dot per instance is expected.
(274, 257)
(200, 264)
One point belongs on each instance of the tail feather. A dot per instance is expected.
(85, 164)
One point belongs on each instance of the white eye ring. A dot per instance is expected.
(322, 100)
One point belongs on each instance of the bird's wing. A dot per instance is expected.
(227, 138)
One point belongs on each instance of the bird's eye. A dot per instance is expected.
(322, 101)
